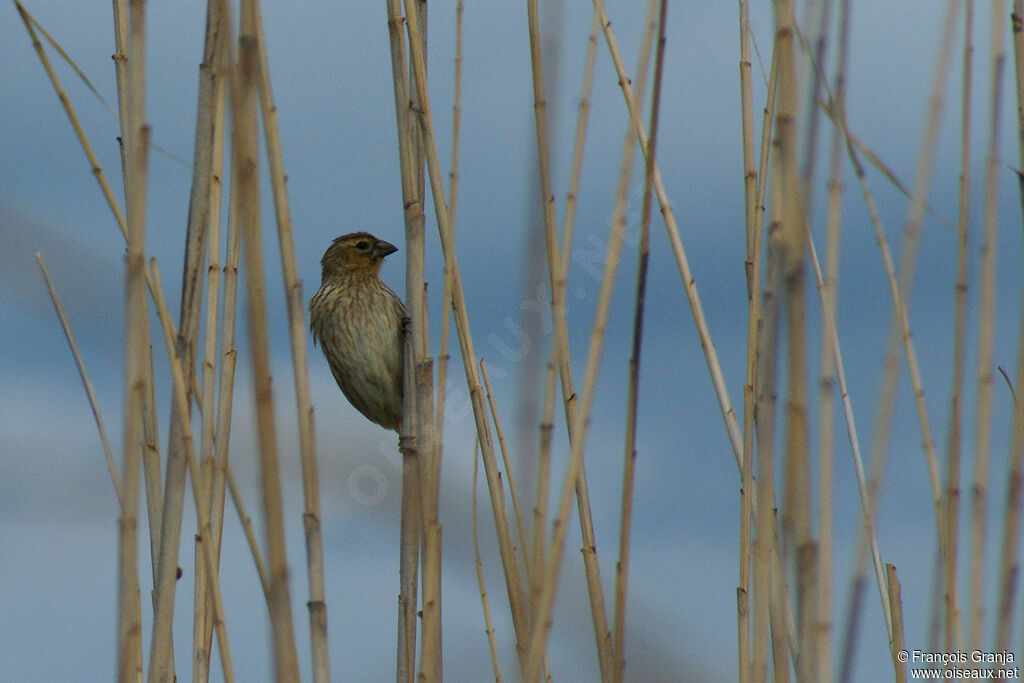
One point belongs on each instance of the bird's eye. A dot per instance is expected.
(362, 245)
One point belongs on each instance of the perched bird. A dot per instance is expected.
(358, 322)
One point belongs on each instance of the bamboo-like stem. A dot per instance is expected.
(986, 334)
(247, 528)
(780, 272)
(540, 506)
(582, 116)
(795, 515)
(80, 364)
(411, 525)
(513, 491)
(831, 342)
(505, 545)
(773, 618)
(129, 651)
(453, 184)
(629, 458)
(94, 163)
(986, 372)
(412, 506)
(896, 617)
(245, 157)
(202, 503)
(300, 372)
(953, 634)
(763, 416)
(421, 450)
(751, 268)
(753, 401)
(828, 291)
(208, 155)
(1009, 563)
(97, 171)
(430, 667)
(488, 627)
(222, 475)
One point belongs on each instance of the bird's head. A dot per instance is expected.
(355, 252)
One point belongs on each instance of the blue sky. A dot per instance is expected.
(331, 73)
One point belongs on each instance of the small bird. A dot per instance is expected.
(359, 323)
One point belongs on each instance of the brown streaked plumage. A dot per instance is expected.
(358, 322)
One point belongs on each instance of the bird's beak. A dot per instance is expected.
(382, 249)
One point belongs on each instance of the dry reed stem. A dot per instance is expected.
(489, 628)
(583, 110)
(513, 492)
(896, 616)
(94, 163)
(208, 154)
(540, 508)
(453, 184)
(180, 397)
(831, 342)
(245, 159)
(751, 268)
(767, 625)
(412, 506)
(1010, 564)
(989, 249)
(757, 669)
(419, 446)
(247, 528)
(129, 655)
(787, 192)
(986, 334)
(953, 634)
(428, 445)
(828, 288)
(223, 476)
(505, 545)
(771, 602)
(89, 392)
(629, 459)
(297, 336)
(772, 607)
(411, 524)
(212, 482)
(561, 343)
